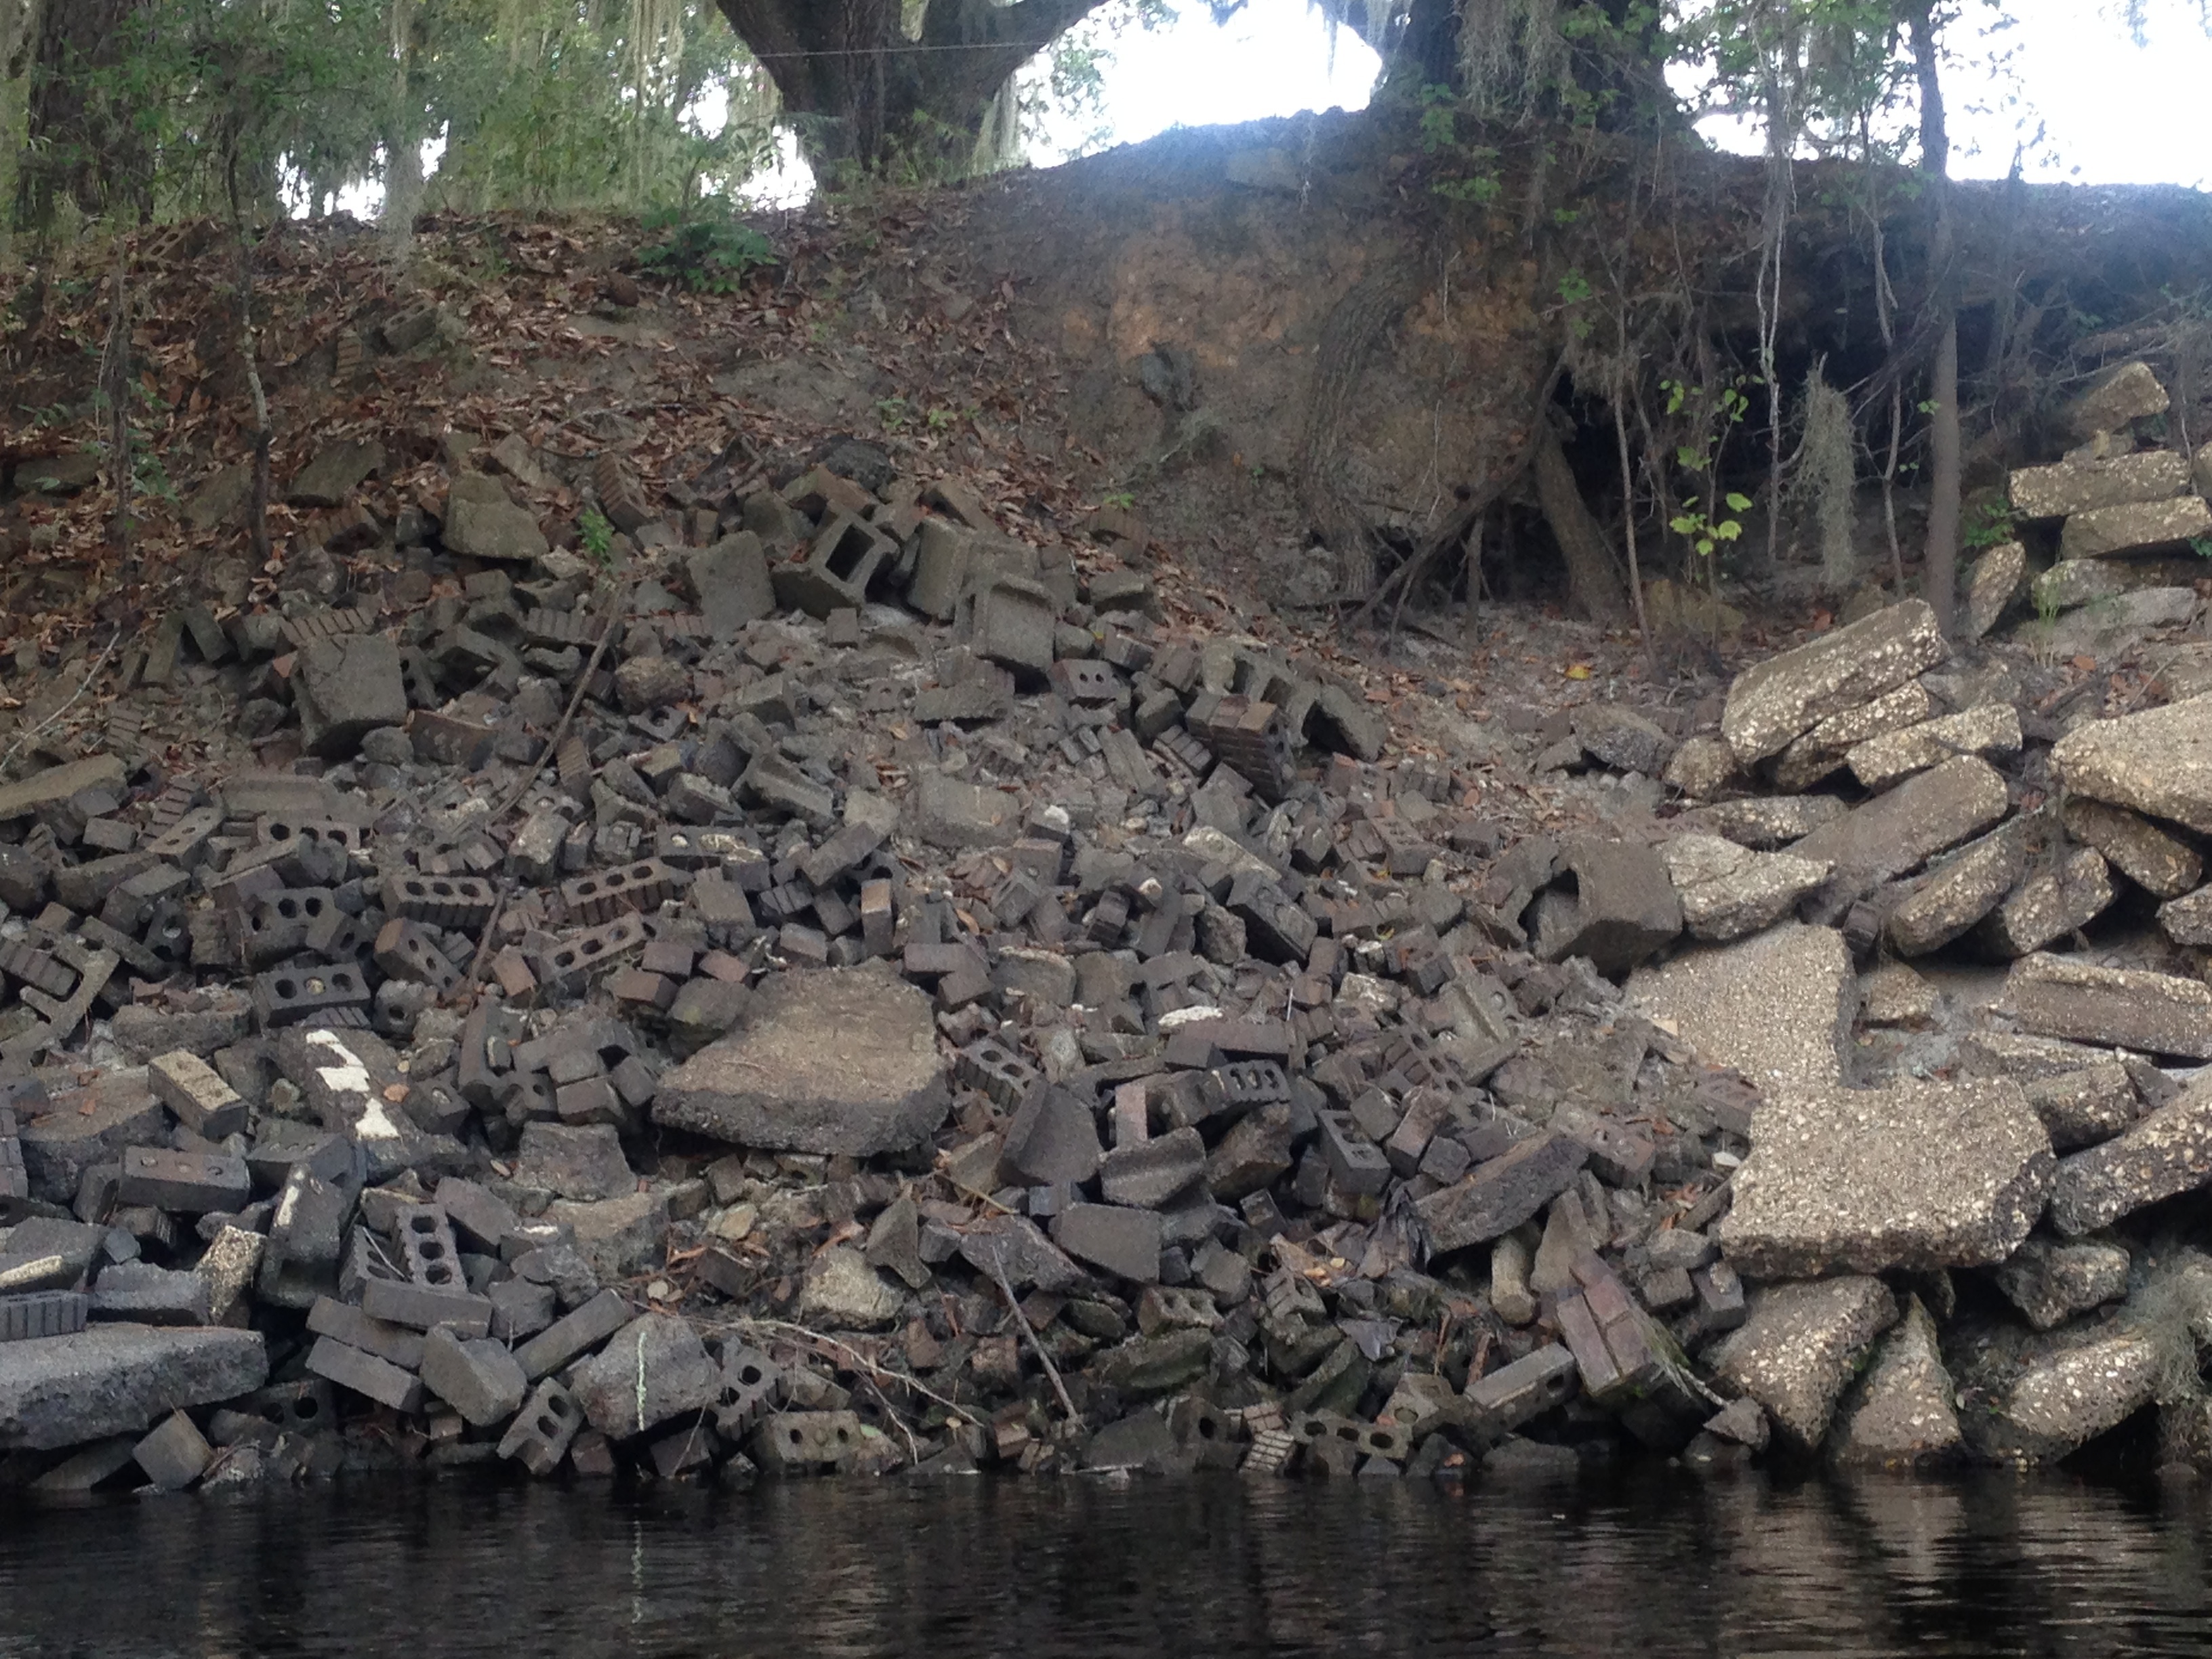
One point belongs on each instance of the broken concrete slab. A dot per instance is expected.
(1894, 834)
(2050, 1283)
(2117, 1007)
(1776, 701)
(1776, 1006)
(2084, 486)
(119, 1379)
(1800, 1346)
(2052, 904)
(2188, 921)
(842, 1291)
(1727, 890)
(345, 689)
(652, 1370)
(1919, 1175)
(2158, 762)
(1904, 1411)
(1957, 892)
(1881, 762)
(950, 812)
(839, 1060)
(482, 522)
(2167, 1152)
(2103, 531)
(1821, 750)
(1991, 587)
(58, 784)
(2160, 863)
(1622, 909)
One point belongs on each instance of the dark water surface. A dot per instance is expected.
(1658, 1563)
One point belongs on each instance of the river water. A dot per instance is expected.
(1660, 1562)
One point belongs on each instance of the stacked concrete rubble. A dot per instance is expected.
(1024, 1036)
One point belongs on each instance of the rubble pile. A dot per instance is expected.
(863, 993)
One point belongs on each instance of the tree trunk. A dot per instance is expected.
(403, 144)
(1944, 483)
(76, 150)
(864, 98)
(1593, 584)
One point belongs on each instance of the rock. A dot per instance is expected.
(2167, 1152)
(2050, 1283)
(1904, 1411)
(2159, 763)
(1125, 1243)
(1621, 738)
(1881, 762)
(336, 472)
(1895, 833)
(1918, 1175)
(2120, 398)
(1623, 908)
(1776, 1006)
(2084, 486)
(1053, 1139)
(1764, 823)
(1893, 994)
(1992, 586)
(2046, 1397)
(346, 687)
(731, 581)
(2119, 1007)
(2085, 1106)
(118, 1379)
(2105, 530)
(652, 1370)
(1777, 700)
(574, 1161)
(2051, 905)
(1015, 1246)
(1727, 890)
(616, 1237)
(1823, 749)
(2154, 861)
(1956, 893)
(644, 684)
(1800, 1346)
(1149, 1365)
(842, 1292)
(1702, 767)
(947, 811)
(2114, 627)
(2188, 921)
(842, 1061)
(482, 522)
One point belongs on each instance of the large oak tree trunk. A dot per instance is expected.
(863, 95)
(76, 149)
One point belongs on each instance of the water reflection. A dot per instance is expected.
(1657, 1563)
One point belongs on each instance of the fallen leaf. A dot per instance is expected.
(1579, 670)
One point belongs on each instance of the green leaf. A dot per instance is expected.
(1737, 503)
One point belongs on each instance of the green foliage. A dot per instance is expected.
(707, 247)
(1466, 174)
(2201, 546)
(1706, 532)
(1990, 525)
(596, 535)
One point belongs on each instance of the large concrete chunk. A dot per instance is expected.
(1903, 1413)
(2160, 864)
(1799, 1346)
(1773, 703)
(732, 580)
(1916, 1176)
(2052, 904)
(2188, 921)
(2119, 1007)
(483, 523)
(2070, 487)
(345, 689)
(1897, 832)
(2158, 762)
(1821, 750)
(952, 812)
(57, 784)
(119, 1379)
(1728, 890)
(1957, 893)
(2046, 1397)
(653, 1368)
(2105, 530)
(1776, 1006)
(1993, 729)
(842, 1061)
(2119, 396)
(2050, 1283)
(1623, 908)
(2167, 1152)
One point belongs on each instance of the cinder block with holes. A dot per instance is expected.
(807, 1442)
(405, 950)
(836, 571)
(539, 1437)
(990, 1065)
(463, 901)
(750, 1379)
(285, 996)
(275, 924)
(573, 956)
(605, 894)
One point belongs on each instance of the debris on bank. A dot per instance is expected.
(862, 992)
